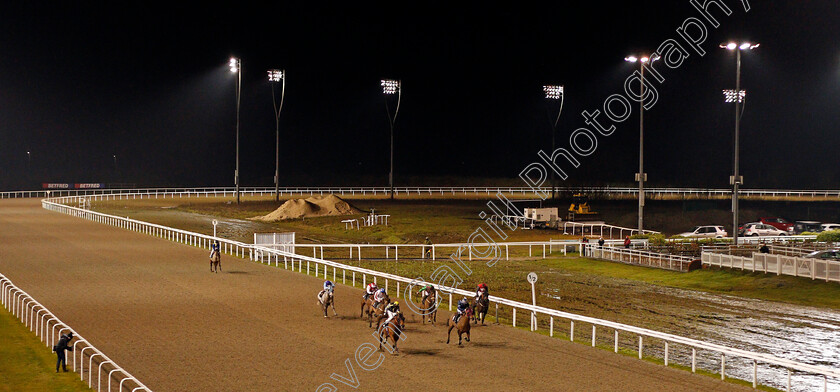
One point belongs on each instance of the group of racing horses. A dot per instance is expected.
(372, 309)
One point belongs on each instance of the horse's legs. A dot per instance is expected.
(468, 336)
(448, 333)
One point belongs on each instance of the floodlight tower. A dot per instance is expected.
(391, 87)
(641, 176)
(736, 96)
(277, 76)
(236, 67)
(554, 92)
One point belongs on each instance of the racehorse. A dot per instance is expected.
(326, 299)
(367, 308)
(215, 261)
(463, 326)
(429, 308)
(391, 330)
(480, 308)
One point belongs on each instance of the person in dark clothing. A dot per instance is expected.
(764, 248)
(583, 243)
(63, 344)
(627, 242)
(601, 242)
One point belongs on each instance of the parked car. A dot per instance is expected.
(705, 232)
(760, 229)
(831, 254)
(810, 226)
(778, 223)
(830, 226)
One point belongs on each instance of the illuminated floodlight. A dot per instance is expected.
(275, 75)
(553, 91)
(730, 46)
(234, 65)
(729, 95)
(744, 46)
(631, 59)
(390, 86)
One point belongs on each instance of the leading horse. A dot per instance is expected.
(215, 261)
(391, 330)
(463, 326)
(327, 299)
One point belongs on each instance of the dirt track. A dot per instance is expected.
(154, 307)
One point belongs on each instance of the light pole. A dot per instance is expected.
(277, 76)
(737, 96)
(391, 87)
(641, 176)
(28, 162)
(236, 67)
(116, 172)
(554, 92)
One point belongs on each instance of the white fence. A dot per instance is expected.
(639, 257)
(322, 268)
(581, 228)
(827, 270)
(49, 329)
(430, 191)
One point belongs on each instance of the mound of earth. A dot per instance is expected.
(329, 205)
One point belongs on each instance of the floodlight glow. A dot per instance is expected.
(275, 75)
(553, 91)
(745, 45)
(730, 96)
(631, 59)
(234, 65)
(731, 46)
(389, 86)
(644, 59)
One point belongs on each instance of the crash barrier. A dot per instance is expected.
(828, 270)
(421, 191)
(639, 257)
(49, 329)
(672, 343)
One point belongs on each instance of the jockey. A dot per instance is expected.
(480, 290)
(390, 311)
(370, 289)
(378, 297)
(214, 248)
(328, 288)
(463, 304)
(426, 290)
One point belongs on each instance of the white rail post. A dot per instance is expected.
(450, 301)
(551, 327)
(593, 335)
(572, 331)
(722, 366)
(514, 317)
(755, 374)
(640, 346)
(615, 340)
(693, 359)
(666, 354)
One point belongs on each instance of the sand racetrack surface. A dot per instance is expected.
(154, 307)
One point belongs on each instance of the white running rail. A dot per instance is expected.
(269, 256)
(420, 191)
(49, 328)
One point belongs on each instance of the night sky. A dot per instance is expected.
(149, 83)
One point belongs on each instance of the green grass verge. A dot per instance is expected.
(26, 364)
(758, 285)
